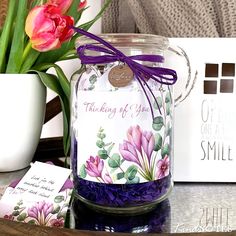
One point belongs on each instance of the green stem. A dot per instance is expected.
(164, 109)
(26, 51)
(5, 36)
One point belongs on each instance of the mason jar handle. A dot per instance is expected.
(190, 79)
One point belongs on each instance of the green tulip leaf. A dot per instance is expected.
(51, 81)
(158, 142)
(114, 160)
(157, 123)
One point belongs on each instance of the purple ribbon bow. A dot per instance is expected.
(142, 73)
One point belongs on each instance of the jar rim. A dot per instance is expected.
(127, 39)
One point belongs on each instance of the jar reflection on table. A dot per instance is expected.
(156, 221)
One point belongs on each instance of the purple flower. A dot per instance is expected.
(129, 152)
(134, 136)
(163, 167)
(94, 166)
(148, 143)
(40, 211)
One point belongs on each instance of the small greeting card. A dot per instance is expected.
(41, 197)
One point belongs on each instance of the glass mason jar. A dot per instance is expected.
(121, 157)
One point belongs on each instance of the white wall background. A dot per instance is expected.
(54, 128)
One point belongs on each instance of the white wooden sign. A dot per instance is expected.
(205, 122)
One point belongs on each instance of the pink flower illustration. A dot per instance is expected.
(40, 212)
(163, 167)
(148, 143)
(57, 222)
(94, 166)
(134, 136)
(107, 178)
(129, 152)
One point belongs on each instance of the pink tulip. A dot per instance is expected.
(148, 142)
(134, 136)
(63, 5)
(94, 166)
(163, 167)
(129, 153)
(47, 28)
(82, 5)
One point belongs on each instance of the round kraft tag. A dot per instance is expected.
(120, 76)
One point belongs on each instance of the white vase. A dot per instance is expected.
(22, 110)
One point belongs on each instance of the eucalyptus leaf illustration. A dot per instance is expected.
(168, 97)
(101, 135)
(120, 175)
(114, 160)
(91, 87)
(59, 198)
(165, 150)
(100, 144)
(131, 172)
(93, 79)
(110, 148)
(168, 108)
(157, 123)
(168, 129)
(56, 209)
(158, 142)
(32, 222)
(159, 103)
(82, 171)
(135, 180)
(15, 213)
(22, 217)
(103, 154)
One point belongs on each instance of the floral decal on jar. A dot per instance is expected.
(142, 156)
